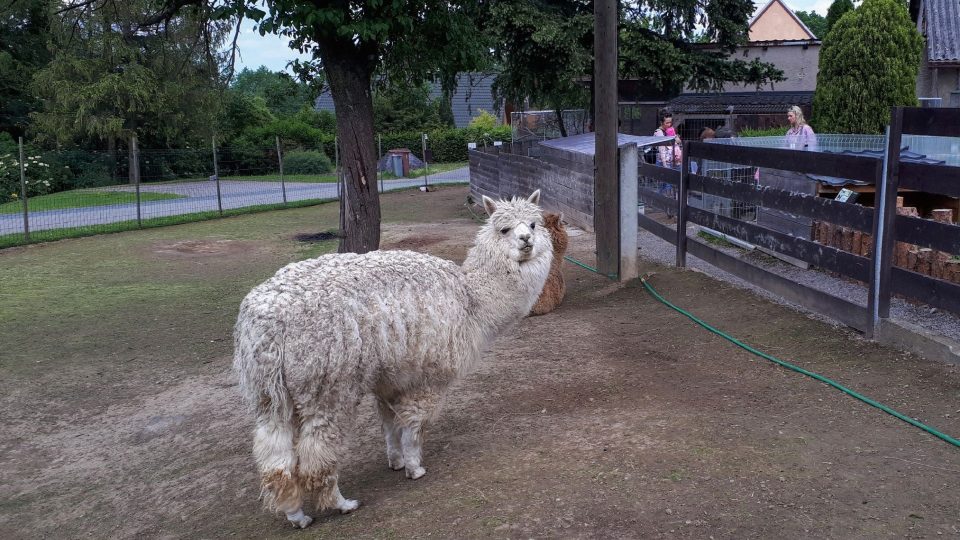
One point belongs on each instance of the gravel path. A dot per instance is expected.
(931, 319)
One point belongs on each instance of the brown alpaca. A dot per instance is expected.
(554, 288)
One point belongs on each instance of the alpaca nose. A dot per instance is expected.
(525, 237)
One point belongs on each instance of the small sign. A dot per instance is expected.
(471, 146)
(428, 156)
(846, 195)
(498, 143)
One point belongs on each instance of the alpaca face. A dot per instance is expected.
(516, 228)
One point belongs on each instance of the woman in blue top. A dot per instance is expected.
(800, 135)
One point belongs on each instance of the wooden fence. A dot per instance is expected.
(881, 276)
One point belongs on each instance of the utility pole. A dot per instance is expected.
(606, 201)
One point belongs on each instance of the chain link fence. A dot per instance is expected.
(48, 195)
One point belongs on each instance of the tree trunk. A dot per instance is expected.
(563, 129)
(349, 78)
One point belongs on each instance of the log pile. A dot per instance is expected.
(931, 262)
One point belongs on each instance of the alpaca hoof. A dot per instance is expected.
(416, 473)
(395, 463)
(349, 505)
(299, 519)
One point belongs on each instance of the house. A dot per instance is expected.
(939, 76)
(474, 94)
(776, 36)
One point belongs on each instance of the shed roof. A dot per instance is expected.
(742, 102)
(586, 143)
(941, 25)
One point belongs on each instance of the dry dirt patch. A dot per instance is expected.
(611, 417)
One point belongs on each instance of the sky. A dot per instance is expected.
(272, 51)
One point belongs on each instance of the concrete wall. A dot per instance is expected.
(777, 24)
(799, 63)
(497, 173)
(947, 85)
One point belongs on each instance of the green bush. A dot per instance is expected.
(82, 169)
(868, 64)
(769, 132)
(447, 145)
(306, 162)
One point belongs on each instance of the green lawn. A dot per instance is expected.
(328, 178)
(78, 199)
(434, 169)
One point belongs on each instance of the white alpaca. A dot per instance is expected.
(318, 336)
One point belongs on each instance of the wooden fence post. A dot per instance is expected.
(283, 186)
(216, 175)
(885, 236)
(682, 206)
(135, 173)
(23, 195)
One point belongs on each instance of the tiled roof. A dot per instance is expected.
(742, 102)
(942, 21)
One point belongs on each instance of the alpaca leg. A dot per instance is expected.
(411, 440)
(391, 434)
(318, 451)
(273, 451)
(413, 412)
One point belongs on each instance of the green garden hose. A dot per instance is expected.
(792, 367)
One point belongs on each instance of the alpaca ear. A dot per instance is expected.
(489, 205)
(560, 219)
(534, 197)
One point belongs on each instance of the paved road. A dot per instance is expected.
(199, 197)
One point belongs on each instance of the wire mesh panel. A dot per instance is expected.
(543, 125)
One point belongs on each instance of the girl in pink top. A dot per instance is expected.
(800, 135)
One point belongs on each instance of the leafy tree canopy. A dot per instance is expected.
(282, 94)
(815, 22)
(837, 9)
(868, 64)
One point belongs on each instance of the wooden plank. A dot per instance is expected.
(803, 161)
(606, 202)
(938, 122)
(826, 257)
(664, 232)
(682, 207)
(927, 233)
(935, 292)
(884, 240)
(657, 200)
(846, 312)
(850, 215)
(661, 174)
(929, 178)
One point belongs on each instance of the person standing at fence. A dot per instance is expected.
(665, 154)
(800, 136)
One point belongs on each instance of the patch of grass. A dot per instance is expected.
(676, 475)
(711, 239)
(11, 240)
(435, 168)
(82, 199)
(328, 178)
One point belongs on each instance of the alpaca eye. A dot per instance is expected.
(505, 230)
(533, 226)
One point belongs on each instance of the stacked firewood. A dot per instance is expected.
(931, 262)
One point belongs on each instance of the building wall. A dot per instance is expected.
(776, 24)
(799, 64)
(947, 84)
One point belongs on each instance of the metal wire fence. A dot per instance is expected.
(48, 195)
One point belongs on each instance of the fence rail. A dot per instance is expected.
(48, 195)
(882, 228)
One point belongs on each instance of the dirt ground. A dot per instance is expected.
(612, 417)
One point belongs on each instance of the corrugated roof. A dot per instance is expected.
(942, 20)
(586, 143)
(742, 102)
